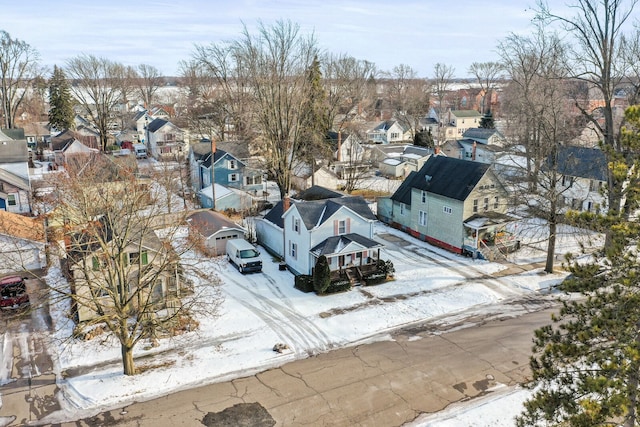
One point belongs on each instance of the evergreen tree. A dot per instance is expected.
(586, 365)
(316, 123)
(61, 113)
(486, 121)
(424, 138)
(321, 275)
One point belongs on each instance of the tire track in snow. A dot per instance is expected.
(417, 257)
(305, 337)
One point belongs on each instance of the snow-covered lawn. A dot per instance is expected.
(263, 309)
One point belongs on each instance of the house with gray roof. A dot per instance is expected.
(389, 132)
(451, 203)
(340, 228)
(165, 140)
(484, 136)
(15, 186)
(584, 175)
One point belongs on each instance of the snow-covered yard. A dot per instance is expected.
(261, 310)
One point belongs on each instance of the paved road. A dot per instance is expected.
(26, 371)
(387, 383)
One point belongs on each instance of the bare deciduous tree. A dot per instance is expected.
(539, 122)
(19, 67)
(267, 72)
(408, 95)
(148, 81)
(123, 276)
(487, 74)
(350, 87)
(100, 86)
(596, 30)
(440, 85)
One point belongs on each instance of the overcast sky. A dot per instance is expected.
(419, 33)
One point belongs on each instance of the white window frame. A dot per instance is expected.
(12, 200)
(234, 177)
(422, 218)
(342, 227)
(423, 196)
(447, 209)
(293, 249)
(232, 164)
(296, 225)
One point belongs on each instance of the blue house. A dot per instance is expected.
(229, 171)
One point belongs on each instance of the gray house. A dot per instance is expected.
(454, 204)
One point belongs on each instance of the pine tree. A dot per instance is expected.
(321, 275)
(487, 122)
(586, 365)
(61, 113)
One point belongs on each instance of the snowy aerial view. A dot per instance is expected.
(263, 309)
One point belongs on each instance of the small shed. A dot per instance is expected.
(214, 229)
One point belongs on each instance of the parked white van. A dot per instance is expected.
(141, 151)
(243, 255)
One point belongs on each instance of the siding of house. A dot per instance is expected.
(303, 262)
(444, 220)
(270, 237)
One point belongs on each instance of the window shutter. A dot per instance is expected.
(144, 258)
(348, 227)
(96, 264)
(335, 227)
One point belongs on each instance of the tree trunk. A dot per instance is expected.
(127, 360)
(551, 247)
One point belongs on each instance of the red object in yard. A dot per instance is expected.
(13, 292)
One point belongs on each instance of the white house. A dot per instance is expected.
(164, 139)
(389, 132)
(339, 228)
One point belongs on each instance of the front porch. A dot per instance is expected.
(350, 257)
(487, 237)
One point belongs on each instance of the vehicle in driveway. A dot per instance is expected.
(243, 255)
(13, 292)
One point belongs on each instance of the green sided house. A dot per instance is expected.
(454, 204)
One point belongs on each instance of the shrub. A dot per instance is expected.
(321, 275)
(339, 286)
(386, 267)
(304, 283)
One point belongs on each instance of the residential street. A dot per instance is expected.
(421, 369)
(367, 383)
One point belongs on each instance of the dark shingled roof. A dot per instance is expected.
(156, 124)
(478, 133)
(202, 151)
(444, 176)
(316, 212)
(275, 215)
(317, 192)
(333, 244)
(582, 162)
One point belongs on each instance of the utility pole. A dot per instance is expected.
(213, 182)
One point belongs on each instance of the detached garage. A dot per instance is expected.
(214, 229)
(22, 243)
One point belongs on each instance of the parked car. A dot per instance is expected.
(243, 255)
(13, 292)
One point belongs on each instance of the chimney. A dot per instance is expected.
(339, 156)
(473, 151)
(286, 203)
